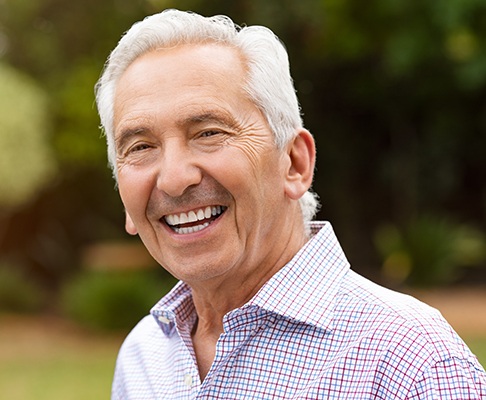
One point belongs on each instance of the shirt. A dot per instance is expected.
(315, 330)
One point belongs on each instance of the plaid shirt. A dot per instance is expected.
(315, 330)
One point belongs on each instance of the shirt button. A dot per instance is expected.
(163, 319)
(188, 380)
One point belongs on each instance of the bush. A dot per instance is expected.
(113, 300)
(17, 293)
(429, 251)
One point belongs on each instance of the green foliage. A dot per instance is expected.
(429, 251)
(17, 293)
(393, 92)
(26, 160)
(77, 140)
(113, 300)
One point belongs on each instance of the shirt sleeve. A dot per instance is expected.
(452, 379)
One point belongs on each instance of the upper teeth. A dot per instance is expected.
(192, 216)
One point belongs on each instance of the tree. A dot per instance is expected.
(393, 92)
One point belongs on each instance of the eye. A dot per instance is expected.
(138, 147)
(210, 133)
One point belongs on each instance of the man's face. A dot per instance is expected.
(200, 177)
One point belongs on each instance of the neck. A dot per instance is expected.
(212, 303)
(214, 298)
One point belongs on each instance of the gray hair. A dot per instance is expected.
(269, 84)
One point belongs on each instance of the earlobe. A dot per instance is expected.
(129, 225)
(302, 154)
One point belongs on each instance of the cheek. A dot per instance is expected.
(252, 153)
(256, 186)
(253, 161)
(134, 191)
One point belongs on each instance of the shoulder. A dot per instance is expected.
(398, 325)
(406, 343)
(375, 310)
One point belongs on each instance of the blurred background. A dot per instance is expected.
(393, 91)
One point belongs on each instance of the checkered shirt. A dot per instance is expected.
(315, 330)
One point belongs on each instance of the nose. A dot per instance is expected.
(177, 169)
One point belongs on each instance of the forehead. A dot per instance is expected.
(203, 64)
(176, 77)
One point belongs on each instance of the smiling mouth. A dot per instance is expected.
(193, 221)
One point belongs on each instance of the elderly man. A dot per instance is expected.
(214, 168)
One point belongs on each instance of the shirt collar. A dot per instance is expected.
(176, 305)
(304, 289)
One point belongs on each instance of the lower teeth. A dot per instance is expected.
(191, 229)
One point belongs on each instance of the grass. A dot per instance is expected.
(46, 358)
(478, 347)
(72, 376)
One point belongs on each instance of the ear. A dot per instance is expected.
(129, 225)
(302, 155)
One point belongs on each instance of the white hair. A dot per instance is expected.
(269, 84)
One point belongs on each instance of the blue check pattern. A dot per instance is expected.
(315, 330)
